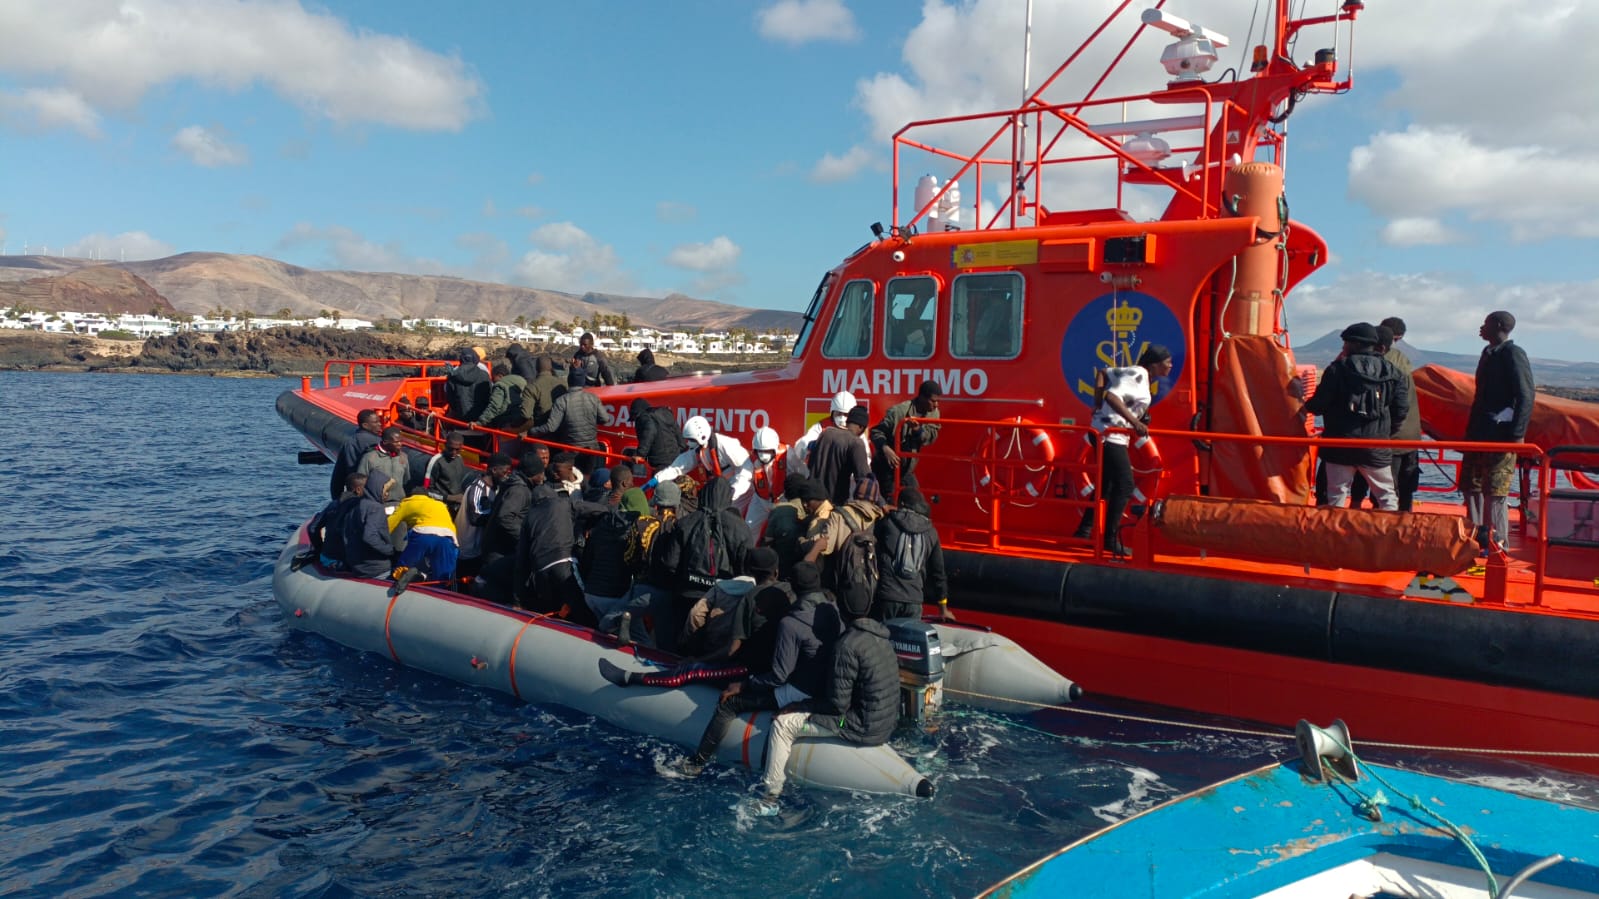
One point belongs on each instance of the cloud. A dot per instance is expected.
(832, 168)
(48, 108)
(802, 21)
(349, 250)
(129, 245)
(1426, 172)
(110, 55)
(567, 258)
(489, 210)
(1419, 231)
(672, 211)
(209, 148)
(718, 254)
(1561, 316)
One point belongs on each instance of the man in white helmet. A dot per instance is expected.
(838, 411)
(707, 455)
(767, 482)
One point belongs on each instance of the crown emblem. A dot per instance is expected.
(1124, 319)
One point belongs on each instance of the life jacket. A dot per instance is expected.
(770, 480)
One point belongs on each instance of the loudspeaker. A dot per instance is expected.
(1326, 749)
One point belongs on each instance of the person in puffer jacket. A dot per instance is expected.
(910, 560)
(368, 550)
(860, 703)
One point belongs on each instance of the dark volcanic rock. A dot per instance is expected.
(277, 351)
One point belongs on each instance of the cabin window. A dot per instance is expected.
(850, 334)
(986, 316)
(811, 312)
(910, 308)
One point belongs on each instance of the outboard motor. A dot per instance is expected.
(921, 668)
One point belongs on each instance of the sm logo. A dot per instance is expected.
(1111, 332)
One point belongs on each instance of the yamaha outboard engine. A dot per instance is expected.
(921, 668)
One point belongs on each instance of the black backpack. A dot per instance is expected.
(910, 553)
(855, 572)
(1366, 401)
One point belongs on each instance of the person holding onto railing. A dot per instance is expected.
(1121, 403)
(1406, 468)
(1501, 409)
(467, 388)
(504, 410)
(576, 420)
(886, 463)
(447, 473)
(1362, 396)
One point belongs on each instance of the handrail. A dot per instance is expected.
(1546, 483)
(367, 365)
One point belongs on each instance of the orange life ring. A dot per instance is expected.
(1147, 468)
(1033, 449)
(1581, 481)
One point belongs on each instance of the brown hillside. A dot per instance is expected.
(95, 288)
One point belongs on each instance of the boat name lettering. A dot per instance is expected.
(356, 395)
(904, 381)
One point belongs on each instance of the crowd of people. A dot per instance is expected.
(769, 571)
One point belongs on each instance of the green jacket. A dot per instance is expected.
(505, 403)
(539, 397)
(916, 437)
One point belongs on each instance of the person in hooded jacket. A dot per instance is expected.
(647, 369)
(1360, 395)
(805, 636)
(367, 433)
(656, 427)
(860, 703)
(326, 530)
(368, 551)
(707, 545)
(502, 529)
(607, 583)
(466, 388)
(910, 560)
(523, 363)
(546, 566)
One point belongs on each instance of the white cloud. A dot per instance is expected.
(718, 254)
(801, 21)
(48, 108)
(129, 245)
(349, 250)
(1556, 319)
(1418, 231)
(832, 168)
(1427, 173)
(208, 147)
(565, 257)
(111, 54)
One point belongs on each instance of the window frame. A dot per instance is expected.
(838, 312)
(932, 337)
(1019, 319)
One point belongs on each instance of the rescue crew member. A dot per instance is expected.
(709, 455)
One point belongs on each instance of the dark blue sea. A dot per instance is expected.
(164, 733)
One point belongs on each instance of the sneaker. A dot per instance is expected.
(689, 767)
(763, 807)
(1083, 532)
(615, 673)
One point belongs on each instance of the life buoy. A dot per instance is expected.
(1581, 481)
(1033, 451)
(1147, 468)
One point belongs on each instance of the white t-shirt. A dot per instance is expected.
(1132, 385)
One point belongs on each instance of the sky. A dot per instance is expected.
(737, 150)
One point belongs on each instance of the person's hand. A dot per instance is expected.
(613, 499)
(732, 690)
(891, 457)
(944, 614)
(1140, 429)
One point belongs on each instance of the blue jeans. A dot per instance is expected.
(435, 553)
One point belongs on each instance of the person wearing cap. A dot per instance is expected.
(647, 369)
(389, 457)
(859, 702)
(724, 618)
(1407, 469)
(838, 411)
(656, 429)
(891, 470)
(466, 389)
(575, 420)
(1501, 410)
(1361, 396)
(1122, 397)
(839, 461)
(799, 666)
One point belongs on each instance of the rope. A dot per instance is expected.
(1266, 734)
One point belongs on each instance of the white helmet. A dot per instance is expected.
(843, 401)
(766, 440)
(697, 430)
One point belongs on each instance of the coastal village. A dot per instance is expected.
(613, 333)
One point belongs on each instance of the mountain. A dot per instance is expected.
(94, 288)
(1550, 372)
(204, 282)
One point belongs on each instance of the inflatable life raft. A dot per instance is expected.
(541, 659)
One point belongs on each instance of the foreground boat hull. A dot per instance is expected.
(1273, 833)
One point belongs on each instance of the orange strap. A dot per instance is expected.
(749, 731)
(515, 644)
(387, 638)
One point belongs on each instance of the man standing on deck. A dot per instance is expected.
(504, 410)
(591, 363)
(886, 463)
(446, 475)
(369, 425)
(1501, 409)
(576, 420)
(389, 457)
(1361, 396)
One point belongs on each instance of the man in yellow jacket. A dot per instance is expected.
(431, 545)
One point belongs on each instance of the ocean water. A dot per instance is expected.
(164, 733)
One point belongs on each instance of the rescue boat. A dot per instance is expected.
(1241, 598)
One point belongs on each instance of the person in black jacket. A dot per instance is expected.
(656, 427)
(466, 389)
(1361, 396)
(326, 530)
(546, 567)
(591, 363)
(647, 369)
(523, 363)
(502, 529)
(1501, 410)
(708, 544)
(607, 583)
(368, 550)
(368, 428)
(910, 560)
(860, 703)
